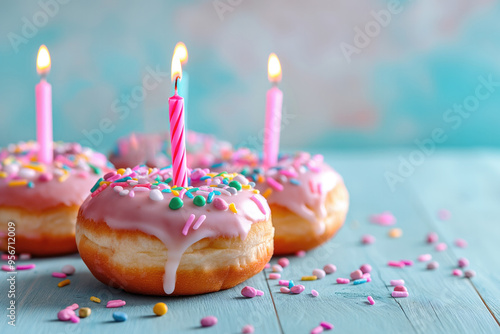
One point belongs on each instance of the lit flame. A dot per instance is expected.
(176, 70)
(181, 52)
(274, 68)
(43, 61)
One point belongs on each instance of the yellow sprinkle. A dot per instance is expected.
(256, 191)
(267, 193)
(150, 170)
(309, 278)
(211, 174)
(84, 312)
(395, 232)
(160, 309)
(18, 183)
(64, 283)
(38, 168)
(213, 185)
(95, 299)
(246, 186)
(63, 177)
(3, 174)
(232, 207)
(175, 192)
(121, 171)
(260, 179)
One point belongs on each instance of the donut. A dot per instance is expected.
(203, 150)
(139, 232)
(41, 200)
(308, 199)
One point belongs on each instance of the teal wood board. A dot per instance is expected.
(467, 183)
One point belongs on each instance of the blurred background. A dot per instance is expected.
(356, 74)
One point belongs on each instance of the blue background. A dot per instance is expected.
(394, 91)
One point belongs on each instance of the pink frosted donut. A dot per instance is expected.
(308, 199)
(154, 150)
(138, 233)
(42, 200)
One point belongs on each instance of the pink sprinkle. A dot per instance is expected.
(400, 294)
(26, 267)
(319, 273)
(314, 293)
(200, 221)
(249, 292)
(284, 289)
(400, 288)
(425, 257)
(259, 292)
(131, 194)
(366, 275)
(370, 300)
(267, 266)
(463, 262)
(258, 199)
(45, 177)
(398, 264)
(115, 303)
(247, 329)
(25, 256)
(108, 175)
(397, 282)
(182, 192)
(300, 253)
(208, 321)
(341, 280)
(6, 267)
(283, 282)
(188, 224)
(356, 274)
(288, 172)
(326, 325)
(74, 319)
(99, 190)
(73, 307)
(297, 289)
(317, 330)
(385, 219)
(320, 189)
(368, 239)
(330, 268)
(274, 184)
(365, 268)
(65, 314)
(457, 272)
(432, 265)
(274, 276)
(444, 214)
(277, 268)
(220, 204)
(311, 186)
(432, 237)
(441, 247)
(461, 243)
(283, 262)
(368, 279)
(59, 275)
(407, 262)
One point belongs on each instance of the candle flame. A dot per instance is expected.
(43, 61)
(274, 68)
(176, 70)
(181, 52)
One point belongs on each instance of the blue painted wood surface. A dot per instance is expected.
(466, 183)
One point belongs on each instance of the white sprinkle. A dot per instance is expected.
(118, 189)
(156, 195)
(124, 192)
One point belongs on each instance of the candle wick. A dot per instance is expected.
(176, 78)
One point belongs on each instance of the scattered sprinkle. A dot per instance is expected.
(463, 262)
(283, 262)
(432, 265)
(84, 312)
(120, 316)
(330, 268)
(432, 237)
(341, 280)
(397, 282)
(160, 309)
(470, 273)
(319, 273)
(326, 325)
(356, 274)
(461, 243)
(308, 278)
(368, 239)
(247, 329)
(365, 268)
(424, 257)
(457, 272)
(274, 276)
(59, 275)
(297, 289)
(385, 219)
(95, 299)
(208, 321)
(314, 293)
(370, 300)
(115, 303)
(64, 283)
(400, 294)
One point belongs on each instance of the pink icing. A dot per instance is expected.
(149, 213)
(48, 188)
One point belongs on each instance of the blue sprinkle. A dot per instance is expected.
(251, 184)
(166, 191)
(206, 177)
(96, 185)
(254, 177)
(210, 197)
(217, 192)
(225, 181)
(188, 194)
(359, 281)
(31, 185)
(120, 316)
(124, 179)
(220, 164)
(290, 284)
(295, 181)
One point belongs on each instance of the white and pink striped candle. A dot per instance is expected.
(177, 129)
(43, 91)
(273, 113)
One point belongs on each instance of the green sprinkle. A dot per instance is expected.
(193, 189)
(221, 173)
(31, 185)
(235, 184)
(168, 180)
(199, 201)
(244, 172)
(175, 203)
(96, 185)
(177, 188)
(166, 191)
(95, 169)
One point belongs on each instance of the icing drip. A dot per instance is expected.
(166, 216)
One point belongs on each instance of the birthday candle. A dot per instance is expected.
(43, 91)
(273, 113)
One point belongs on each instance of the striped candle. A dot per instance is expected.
(178, 140)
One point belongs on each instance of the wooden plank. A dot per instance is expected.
(39, 299)
(469, 186)
(438, 303)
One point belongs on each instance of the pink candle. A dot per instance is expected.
(177, 129)
(43, 92)
(273, 114)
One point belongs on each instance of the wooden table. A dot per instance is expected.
(467, 183)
